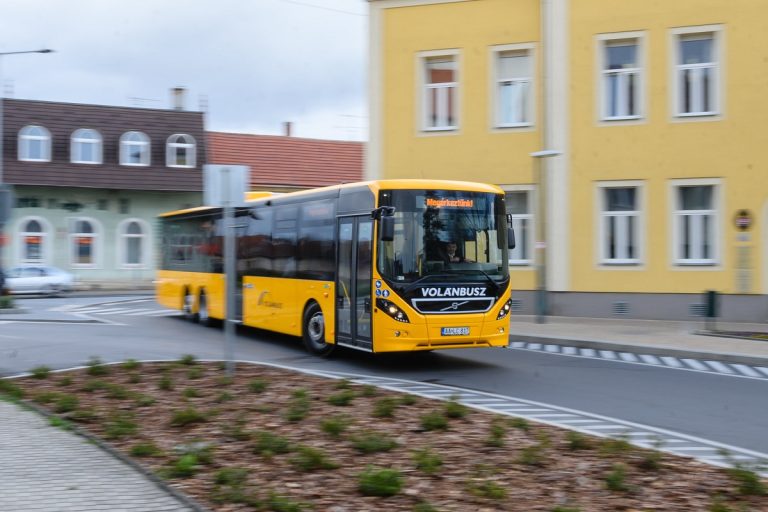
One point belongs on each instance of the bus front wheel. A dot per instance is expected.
(314, 331)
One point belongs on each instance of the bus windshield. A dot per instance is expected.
(448, 234)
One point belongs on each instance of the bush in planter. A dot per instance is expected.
(6, 301)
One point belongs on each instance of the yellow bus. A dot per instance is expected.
(379, 266)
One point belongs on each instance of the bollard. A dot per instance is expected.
(711, 309)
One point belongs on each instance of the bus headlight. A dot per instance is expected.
(505, 310)
(392, 310)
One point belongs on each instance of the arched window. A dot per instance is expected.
(133, 244)
(86, 146)
(180, 151)
(33, 240)
(34, 144)
(134, 149)
(83, 237)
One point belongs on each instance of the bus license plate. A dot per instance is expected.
(454, 331)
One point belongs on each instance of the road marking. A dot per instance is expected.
(719, 367)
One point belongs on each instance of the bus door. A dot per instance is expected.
(353, 282)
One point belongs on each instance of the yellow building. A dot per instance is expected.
(649, 122)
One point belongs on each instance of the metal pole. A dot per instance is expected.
(541, 243)
(229, 274)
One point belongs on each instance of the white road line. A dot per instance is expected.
(136, 312)
(608, 354)
(762, 369)
(695, 449)
(588, 352)
(720, 367)
(650, 359)
(517, 344)
(696, 364)
(628, 357)
(552, 348)
(672, 361)
(534, 346)
(551, 415)
(746, 370)
(570, 351)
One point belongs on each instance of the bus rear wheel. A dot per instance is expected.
(313, 333)
(189, 306)
(203, 315)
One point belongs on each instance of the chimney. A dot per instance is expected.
(288, 126)
(177, 98)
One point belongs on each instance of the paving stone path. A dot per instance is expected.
(47, 469)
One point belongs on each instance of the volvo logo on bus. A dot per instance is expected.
(454, 291)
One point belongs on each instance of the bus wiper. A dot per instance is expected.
(422, 279)
(489, 278)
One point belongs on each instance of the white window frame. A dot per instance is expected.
(603, 41)
(45, 242)
(496, 52)
(24, 144)
(76, 146)
(72, 235)
(678, 68)
(528, 258)
(425, 88)
(131, 141)
(123, 236)
(716, 214)
(172, 144)
(602, 223)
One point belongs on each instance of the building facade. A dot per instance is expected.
(627, 136)
(89, 182)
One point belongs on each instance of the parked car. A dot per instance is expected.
(38, 279)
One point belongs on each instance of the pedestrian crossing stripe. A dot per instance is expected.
(678, 363)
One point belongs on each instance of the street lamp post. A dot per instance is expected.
(541, 232)
(6, 196)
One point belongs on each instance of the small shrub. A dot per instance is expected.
(277, 503)
(434, 421)
(369, 391)
(45, 397)
(96, 367)
(65, 403)
(183, 467)
(187, 416)
(578, 441)
(11, 389)
(188, 360)
(384, 408)
(566, 509)
(343, 384)
(234, 477)
(749, 482)
(616, 479)
(312, 459)
(487, 489)
(120, 425)
(61, 423)
(424, 506)
(86, 415)
(224, 396)
(520, 424)
(651, 460)
(131, 364)
(141, 400)
(191, 393)
(427, 461)
(225, 381)
(65, 381)
(94, 385)
(615, 445)
(299, 406)
(117, 392)
(343, 398)
(373, 442)
(379, 482)
(40, 372)
(195, 372)
(453, 409)
(496, 433)
(147, 449)
(165, 383)
(269, 444)
(134, 378)
(408, 400)
(335, 425)
(257, 386)
(532, 455)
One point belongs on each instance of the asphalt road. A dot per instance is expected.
(721, 408)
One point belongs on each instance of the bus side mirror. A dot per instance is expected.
(511, 237)
(386, 228)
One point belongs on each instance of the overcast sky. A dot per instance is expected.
(256, 63)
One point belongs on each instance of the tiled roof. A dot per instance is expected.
(284, 161)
